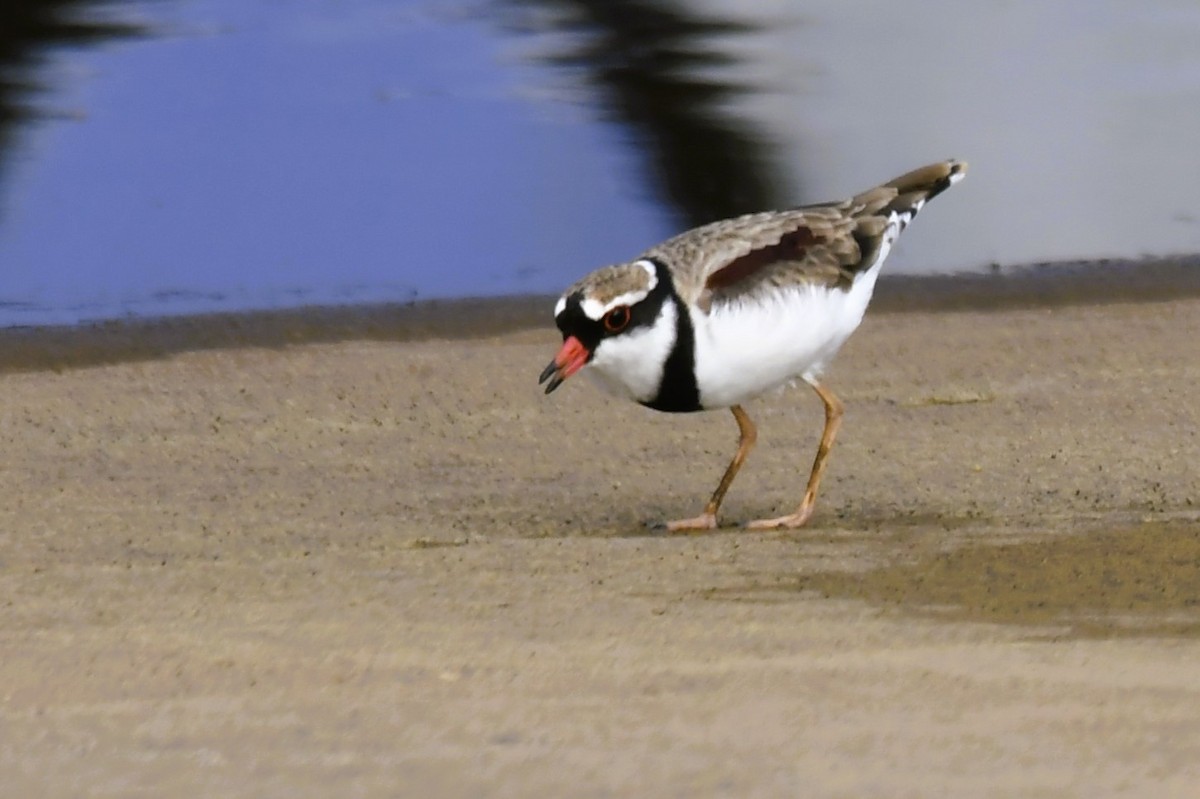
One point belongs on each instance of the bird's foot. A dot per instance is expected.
(790, 521)
(705, 521)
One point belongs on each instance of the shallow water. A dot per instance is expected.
(236, 154)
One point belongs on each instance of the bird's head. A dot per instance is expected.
(611, 319)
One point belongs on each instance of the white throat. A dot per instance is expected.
(631, 365)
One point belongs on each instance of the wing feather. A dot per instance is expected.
(825, 245)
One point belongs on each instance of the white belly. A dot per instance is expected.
(747, 348)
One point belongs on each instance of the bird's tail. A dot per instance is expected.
(882, 213)
(930, 180)
(907, 194)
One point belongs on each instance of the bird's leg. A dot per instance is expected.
(833, 420)
(708, 519)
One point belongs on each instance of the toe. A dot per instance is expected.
(788, 522)
(705, 521)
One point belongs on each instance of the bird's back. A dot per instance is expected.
(826, 244)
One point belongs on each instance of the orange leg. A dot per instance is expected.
(708, 519)
(833, 420)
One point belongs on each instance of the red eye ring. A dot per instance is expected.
(617, 319)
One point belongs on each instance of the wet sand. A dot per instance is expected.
(393, 568)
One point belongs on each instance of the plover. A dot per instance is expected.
(722, 313)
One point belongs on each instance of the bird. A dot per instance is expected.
(726, 312)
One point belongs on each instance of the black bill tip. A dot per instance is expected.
(554, 375)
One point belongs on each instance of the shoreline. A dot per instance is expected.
(1057, 284)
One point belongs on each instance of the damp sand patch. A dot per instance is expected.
(1141, 581)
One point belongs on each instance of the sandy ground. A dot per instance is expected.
(396, 569)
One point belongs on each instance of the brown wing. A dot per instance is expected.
(821, 249)
(825, 245)
(795, 249)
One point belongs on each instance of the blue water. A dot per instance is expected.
(257, 154)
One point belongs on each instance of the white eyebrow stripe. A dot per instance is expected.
(560, 306)
(651, 270)
(592, 309)
(596, 310)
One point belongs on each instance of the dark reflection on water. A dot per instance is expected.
(27, 28)
(655, 69)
